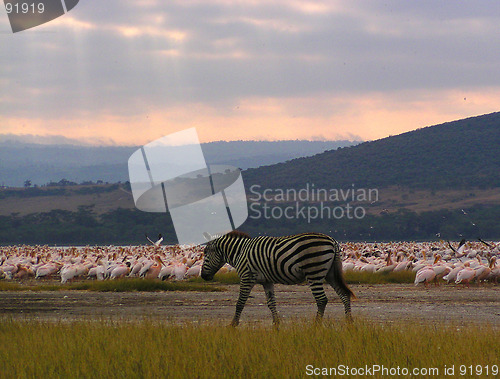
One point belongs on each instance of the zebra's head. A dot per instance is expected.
(212, 260)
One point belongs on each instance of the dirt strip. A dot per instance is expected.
(380, 303)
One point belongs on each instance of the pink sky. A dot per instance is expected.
(128, 72)
(368, 118)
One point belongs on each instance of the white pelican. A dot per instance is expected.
(193, 271)
(158, 241)
(179, 270)
(452, 275)
(465, 275)
(425, 275)
(154, 269)
(166, 272)
(120, 271)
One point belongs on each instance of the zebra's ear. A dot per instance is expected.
(207, 236)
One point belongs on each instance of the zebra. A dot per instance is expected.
(286, 260)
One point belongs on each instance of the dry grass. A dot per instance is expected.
(193, 284)
(363, 277)
(119, 285)
(153, 349)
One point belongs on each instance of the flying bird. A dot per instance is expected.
(158, 242)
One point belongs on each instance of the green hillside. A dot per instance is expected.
(458, 154)
(439, 182)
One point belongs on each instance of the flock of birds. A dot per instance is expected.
(101, 262)
(431, 261)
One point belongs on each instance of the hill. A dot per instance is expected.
(105, 214)
(458, 154)
(43, 163)
(439, 182)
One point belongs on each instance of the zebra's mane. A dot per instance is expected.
(238, 234)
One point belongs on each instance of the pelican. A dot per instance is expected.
(68, 273)
(494, 271)
(158, 241)
(154, 269)
(179, 270)
(120, 271)
(465, 275)
(459, 253)
(97, 272)
(425, 275)
(389, 266)
(452, 275)
(166, 272)
(193, 271)
(136, 268)
(23, 272)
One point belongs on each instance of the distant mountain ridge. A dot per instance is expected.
(43, 163)
(436, 182)
(458, 154)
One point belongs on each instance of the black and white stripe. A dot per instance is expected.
(313, 257)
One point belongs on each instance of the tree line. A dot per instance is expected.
(127, 226)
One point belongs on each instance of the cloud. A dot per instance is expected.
(124, 59)
(9, 138)
(368, 116)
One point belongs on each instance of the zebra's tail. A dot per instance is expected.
(338, 276)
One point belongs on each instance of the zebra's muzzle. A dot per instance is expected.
(206, 276)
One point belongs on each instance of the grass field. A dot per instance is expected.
(194, 284)
(363, 277)
(154, 349)
(119, 285)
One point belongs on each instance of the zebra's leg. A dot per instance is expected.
(320, 297)
(345, 296)
(246, 285)
(271, 301)
(338, 284)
